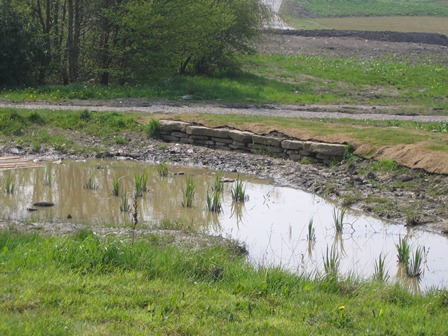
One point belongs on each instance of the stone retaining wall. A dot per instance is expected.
(242, 141)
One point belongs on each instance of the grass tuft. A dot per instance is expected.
(239, 191)
(189, 191)
(214, 201)
(338, 219)
(162, 169)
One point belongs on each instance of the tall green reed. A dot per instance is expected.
(403, 250)
(331, 261)
(214, 201)
(380, 272)
(239, 191)
(140, 182)
(414, 268)
(338, 219)
(189, 191)
(162, 169)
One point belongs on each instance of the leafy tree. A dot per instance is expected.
(19, 51)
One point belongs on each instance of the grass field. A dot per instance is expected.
(422, 24)
(331, 8)
(285, 79)
(86, 285)
(378, 15)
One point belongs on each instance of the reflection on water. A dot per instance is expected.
(273, 222)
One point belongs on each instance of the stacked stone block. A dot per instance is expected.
(242, 141)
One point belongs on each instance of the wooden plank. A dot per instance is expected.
(16, 162)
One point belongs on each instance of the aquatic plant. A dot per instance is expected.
(141, 182)
(311, 236)
(116, 187)
(403, 250)
(162, 169)
(331, 261)
(218, 185)
(214, 201)
(239, 191)
(9, 184)
(380, 272)
(189, 192)
(414, 267)
(338, 219)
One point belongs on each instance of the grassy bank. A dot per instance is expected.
(60, 130)
(86, 285)
(38, 129)
(270, 78)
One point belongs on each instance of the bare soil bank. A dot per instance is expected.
(388, 36)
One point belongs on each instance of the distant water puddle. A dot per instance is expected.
(273, 222)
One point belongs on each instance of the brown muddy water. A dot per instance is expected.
(273, 222)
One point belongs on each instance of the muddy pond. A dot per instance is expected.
(273, 222)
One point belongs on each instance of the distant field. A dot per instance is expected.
(424, 24)
(341, 8)
(427, 16)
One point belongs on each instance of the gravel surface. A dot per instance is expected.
(289, 111)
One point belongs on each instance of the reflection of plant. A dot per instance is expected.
(48, 179)
(9, 184)
(380, 272)
(90, 184)
(134, 218)
(189, 192)
(338, 219)
(311, 236)
(414, 266)
(162, 169)
(214, 201)
(239, 191)
(124, 205)
(331, 262)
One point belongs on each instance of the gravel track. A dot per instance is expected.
(285, 111)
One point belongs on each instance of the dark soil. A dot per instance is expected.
(386, 36)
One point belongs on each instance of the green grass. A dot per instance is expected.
(85, 285)
(284, 79)
(332, 8)
(319, 79)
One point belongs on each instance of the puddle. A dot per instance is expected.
(273, 223)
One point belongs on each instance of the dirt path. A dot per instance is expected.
(355, 112)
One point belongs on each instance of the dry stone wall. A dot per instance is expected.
(243, 141)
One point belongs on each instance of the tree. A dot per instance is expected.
(19, 52)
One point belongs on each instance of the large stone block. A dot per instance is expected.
(173, 126)
(240, 136)
(292, 144)
(327, 149)
(209, 132)
(266, 140)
